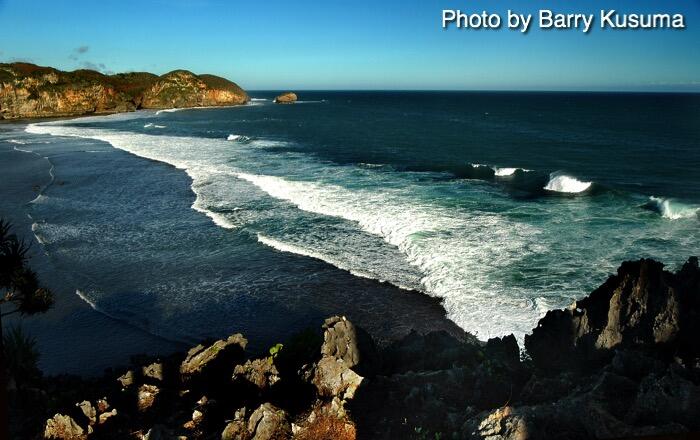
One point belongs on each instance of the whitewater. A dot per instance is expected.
(483, 255)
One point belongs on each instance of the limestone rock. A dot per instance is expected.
(107, 415)
(215, 361)
(146, 397)
(181, 88)
(333, 378)
(31, 91)
(502, 424)
(236, 429)
(153, 371)
(642, 307)
(269, 423)
(62, 427)
(286, 98)
(260, 372)
(88, 410)
(342, 340)
(126, 379)
(333, 375)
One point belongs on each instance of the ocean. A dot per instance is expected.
(266, 218)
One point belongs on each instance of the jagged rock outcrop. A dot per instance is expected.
(31, 91)
(346, 350)
(62, 427)
(636, 372)
(209, 393)
(286, 98)
(214, 362)
(641, 307)
(269, 423)
(260, 372)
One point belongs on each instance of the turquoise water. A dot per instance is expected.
(500, 205)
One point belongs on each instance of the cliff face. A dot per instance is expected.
(30, 91)
(181, 88)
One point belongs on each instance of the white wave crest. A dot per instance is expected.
(455, 255)
(672, 210)
(87, 300)
(293, 249)
(237, 138)
(504, 172)
(168, 110)
(566, 184)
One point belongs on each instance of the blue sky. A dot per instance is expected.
(359, 44)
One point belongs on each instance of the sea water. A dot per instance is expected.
(500, 205)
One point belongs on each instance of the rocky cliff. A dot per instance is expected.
(30, 91)
(621, 363)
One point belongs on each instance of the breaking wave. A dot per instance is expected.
(168, 110)
(672, 210)
(562, 183)
(505, 172)
(293, 249)
(237, 138)
(437, 249)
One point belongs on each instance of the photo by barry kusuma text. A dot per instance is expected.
(547, 19)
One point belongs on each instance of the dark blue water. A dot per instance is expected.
(501, 205)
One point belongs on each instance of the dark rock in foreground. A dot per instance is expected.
(30, 91)
(642, 308)
(621, 363)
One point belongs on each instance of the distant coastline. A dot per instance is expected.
(28, 91)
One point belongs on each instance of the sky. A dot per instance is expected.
(359, 44)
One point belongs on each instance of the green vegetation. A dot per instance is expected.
(274, 351)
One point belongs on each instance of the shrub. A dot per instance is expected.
(21, 355)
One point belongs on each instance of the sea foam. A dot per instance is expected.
(505, 172)
(671, 209)
(566, 184)
(445, 248)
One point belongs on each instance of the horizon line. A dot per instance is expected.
(292, 89)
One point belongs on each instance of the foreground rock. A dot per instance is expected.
(623, 362)
(635, 372)
(286, 98)
(642, 307)
(212, 363)
(63, 427)
(30, 91)
(216, 391)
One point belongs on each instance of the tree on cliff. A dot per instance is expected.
(21, 293)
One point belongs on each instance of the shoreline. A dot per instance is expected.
(71, 319)
(75, 311)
